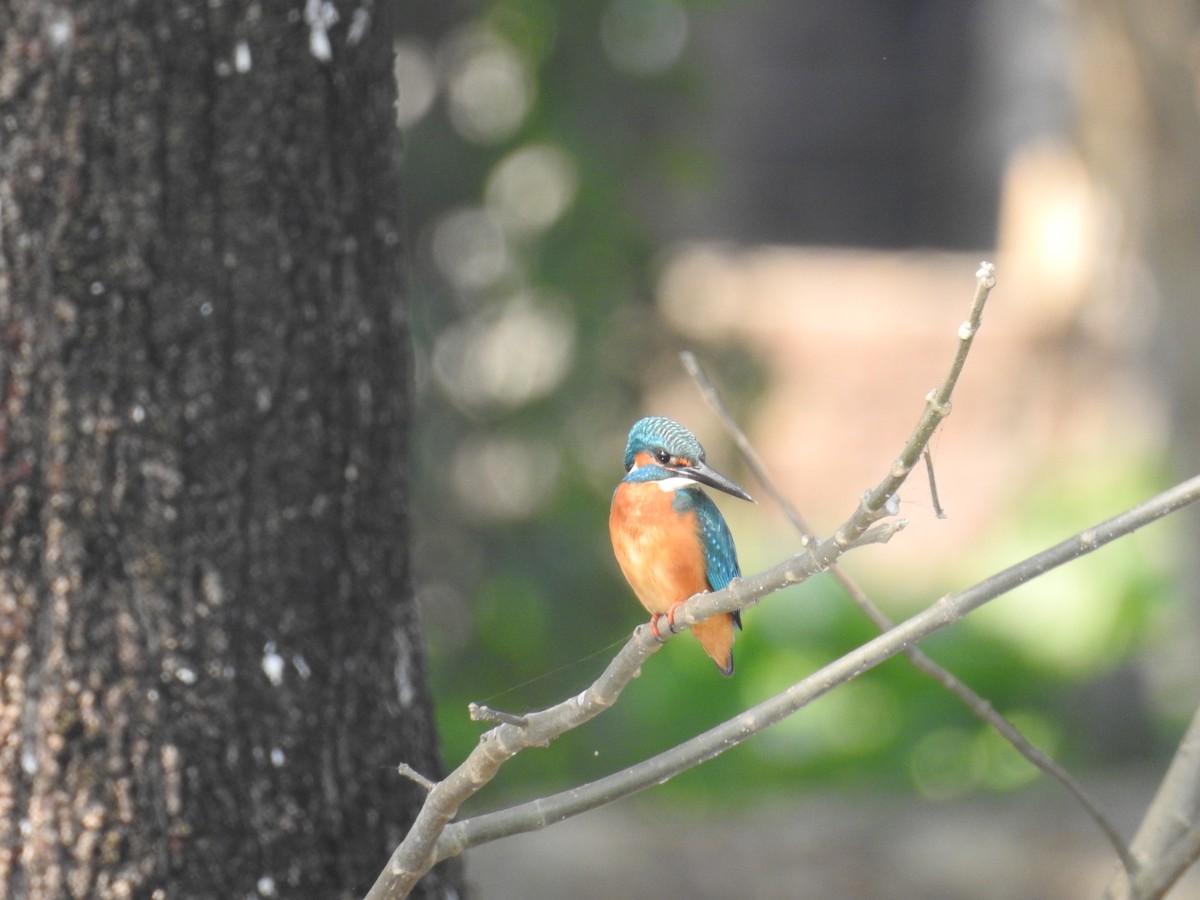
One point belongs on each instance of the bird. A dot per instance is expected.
(669, 538)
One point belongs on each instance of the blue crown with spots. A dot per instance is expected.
(655, 432)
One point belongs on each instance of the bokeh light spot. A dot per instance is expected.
(947, 762)
(504, 477)
(469, 249)
(1006, 768)
(531, 187)
(416, 82)
(489, 87)
(644, 37)
(506, 357)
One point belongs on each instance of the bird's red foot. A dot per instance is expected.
(654, 617)
(671, 616)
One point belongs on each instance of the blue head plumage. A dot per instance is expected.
(658, 435)
(673, 453)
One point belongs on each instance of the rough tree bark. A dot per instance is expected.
(209, 658)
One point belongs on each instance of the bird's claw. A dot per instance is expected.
(669, 615)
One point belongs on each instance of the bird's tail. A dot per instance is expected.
(716, 637)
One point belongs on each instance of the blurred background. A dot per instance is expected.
(801, 194)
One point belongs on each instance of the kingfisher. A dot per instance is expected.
(669, 537)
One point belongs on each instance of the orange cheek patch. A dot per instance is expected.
(642, 459)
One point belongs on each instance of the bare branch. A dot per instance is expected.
(977, 704)
(1169, 826)
(539, 813)
(418, 852)
(1160, 874)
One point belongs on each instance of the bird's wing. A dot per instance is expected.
(720, 555)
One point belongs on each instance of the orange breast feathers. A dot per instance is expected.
(662, 557)
(658, 549)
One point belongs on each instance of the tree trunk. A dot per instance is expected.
(210, 662)
(1139, 128)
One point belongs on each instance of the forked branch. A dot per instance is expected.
(421, 848)
(922, 662)
(1168, 840)
(434, 836)
(949, 609)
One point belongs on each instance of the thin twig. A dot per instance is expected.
(937, 405)
(480, 713)
(933, 492)
(413, 775)
(977, 704)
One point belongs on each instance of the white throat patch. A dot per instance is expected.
(675, 483)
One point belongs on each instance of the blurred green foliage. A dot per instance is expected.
(535, 335)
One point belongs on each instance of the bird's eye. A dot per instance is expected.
(662, 456)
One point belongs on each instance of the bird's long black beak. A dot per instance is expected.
(706, 474)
